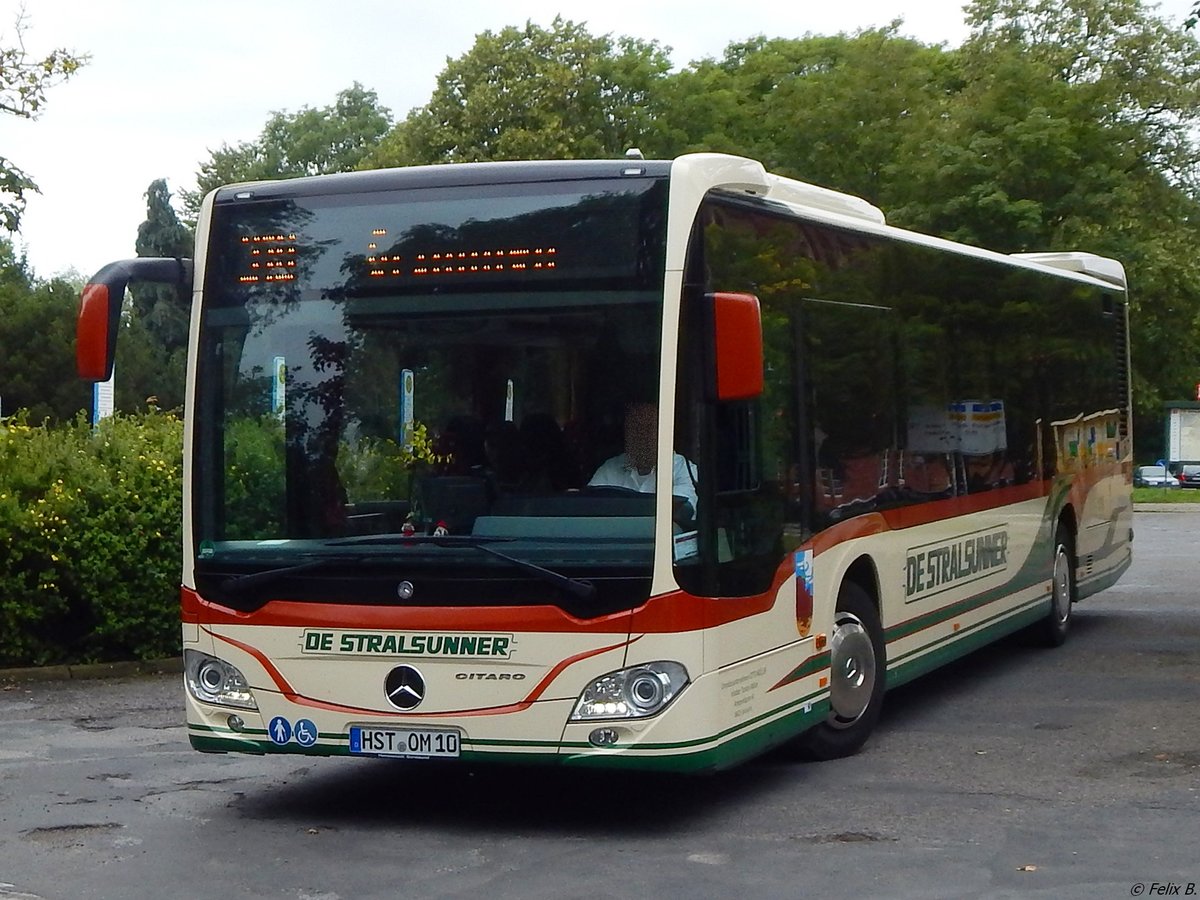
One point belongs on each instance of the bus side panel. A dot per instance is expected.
(722, 718)
(1103, 546)
(742, 699)
(948, 585)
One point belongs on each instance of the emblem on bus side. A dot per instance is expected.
(404, 687)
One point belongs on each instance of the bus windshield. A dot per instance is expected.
(418, 385)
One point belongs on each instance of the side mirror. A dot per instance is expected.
(96, 332)
(100, 309)
(737, 346)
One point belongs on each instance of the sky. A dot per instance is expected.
(168, 82)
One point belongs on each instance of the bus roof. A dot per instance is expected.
(444, 175)
(733, 173)
(1101, 267)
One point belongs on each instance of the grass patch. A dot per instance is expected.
(1165, 495)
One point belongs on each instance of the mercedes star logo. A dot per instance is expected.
(405, 688)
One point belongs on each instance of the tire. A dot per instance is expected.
(858, 670)
(1052, 630)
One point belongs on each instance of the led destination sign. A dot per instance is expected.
(596, 235)
(270, 257)
(277, 257)
(464, 262)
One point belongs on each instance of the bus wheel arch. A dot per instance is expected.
(857, 669)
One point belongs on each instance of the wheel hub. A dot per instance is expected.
(852, 670)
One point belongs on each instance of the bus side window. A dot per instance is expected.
(850, 363)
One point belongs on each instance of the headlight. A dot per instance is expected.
(631, 693)
(213, 680)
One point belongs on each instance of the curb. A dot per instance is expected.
(92, 671)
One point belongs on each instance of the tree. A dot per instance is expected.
(310, 142)
(152, 354)
(531, 92)
(160, 307)
(1057, 125)
(1075, 129)
(24, 80)
(37, 335)
(830, 110)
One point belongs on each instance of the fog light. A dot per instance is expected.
(603, 737)
(236, 723)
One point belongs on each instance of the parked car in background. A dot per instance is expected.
(1158, 476)
(1188, 476)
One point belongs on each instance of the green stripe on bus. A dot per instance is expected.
(962, 642)
(730, 746)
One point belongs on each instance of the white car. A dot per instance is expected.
(1154, 476)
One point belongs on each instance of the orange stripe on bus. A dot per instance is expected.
(671, 613)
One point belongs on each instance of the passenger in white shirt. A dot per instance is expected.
(634, 469)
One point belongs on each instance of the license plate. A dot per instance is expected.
(421, 743)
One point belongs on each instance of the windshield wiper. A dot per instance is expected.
(576, 587)
(402, 540)
(238, 584)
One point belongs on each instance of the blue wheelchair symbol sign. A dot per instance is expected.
(306, 733)
(280, 730)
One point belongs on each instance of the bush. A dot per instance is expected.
(90, 520)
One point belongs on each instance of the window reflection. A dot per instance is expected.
(897, 374)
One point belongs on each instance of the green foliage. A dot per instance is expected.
(147, 373)
(152, 346)
(1056, 126)
(310, 142)
(92, 530)
(162, 309)
(1165, 495)
(829, 110)
(37, 343)
(255, 484)
(24, 80)
(379, 467)
(91, 520)
(534, 93)
(1075, 128)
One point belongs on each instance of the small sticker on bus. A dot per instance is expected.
(804, 568)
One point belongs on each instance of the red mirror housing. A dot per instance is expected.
(94, 337)
(738, 345)
(100, 308)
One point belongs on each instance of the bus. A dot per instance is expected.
(425, 413)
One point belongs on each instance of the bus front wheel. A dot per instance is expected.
(857, 667)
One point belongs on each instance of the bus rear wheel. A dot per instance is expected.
(1052, 630)
(858, 666)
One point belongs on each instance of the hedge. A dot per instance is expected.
(90, 526)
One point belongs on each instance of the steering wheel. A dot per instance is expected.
(611, 490)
